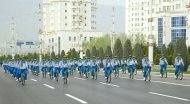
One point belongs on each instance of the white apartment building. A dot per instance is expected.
(66, 23)
(170, 19)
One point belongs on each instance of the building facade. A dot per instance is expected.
(67, 23)
(170, 19)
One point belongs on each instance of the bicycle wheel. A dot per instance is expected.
(96, 75)
(109, 77)
(181, 75)
(22, 79)
(57, 75)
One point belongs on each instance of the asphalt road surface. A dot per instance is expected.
(87, 91)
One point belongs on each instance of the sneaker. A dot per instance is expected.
(144, 78)
(160, 75)
(16, 79)
(129, 74)
(84, 75)
(175, 76)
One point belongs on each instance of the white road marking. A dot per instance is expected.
(49, 86)
(171, 76)
(109, 84)
(80, 78)
(34, 80)
(77, 99)
(171, 83)
(168, 96)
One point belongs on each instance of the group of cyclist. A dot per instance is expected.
(86, 66)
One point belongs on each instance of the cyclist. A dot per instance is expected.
(85, 66)
(108, 66)
(21, 68)
(163, 64)
(64, 65)
(116, 63)
(56, 67)
(123, 65)
(179, 65)
(135, 64)
(146, 65)
(94, 66)
(80, 66)
(130, 64)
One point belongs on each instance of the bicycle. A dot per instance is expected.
(179, 75)
(108, 79)
(87, 72)
(131, 74)
(148, 76)
(57, 75)
(164, 74)
(94, 74)
(51, 73)
(116, 72)
(65, 78)
(44, 72)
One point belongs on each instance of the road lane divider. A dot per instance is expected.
(34, 80)
(77, 99)
(168, 96)
(49, 86)
(109, 84)
(171, 83)
(80, 78)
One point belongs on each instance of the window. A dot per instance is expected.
(65, 10)
(91, 38)
(52, 40)
(65, 17)
(69, 38)
(178, 21)
(74, 39)
(65, 24)
(178, 33)
(65, 4)
(85, 38)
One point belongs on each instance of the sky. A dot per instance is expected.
(26, 17)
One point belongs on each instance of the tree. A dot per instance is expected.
(108, 51)
(180, 47)
(170, 50)
(93, 51)
(127, 49)
(73, 54)
(118, 49)
(87, 53)
(164, 51)
(62, 53)
(101, 53)
(137, 52)
(53, 55)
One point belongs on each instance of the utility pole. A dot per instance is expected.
(40, 33)
(13, 40)
(113, 29)
(151, 36)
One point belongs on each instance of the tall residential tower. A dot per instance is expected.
(67, 23)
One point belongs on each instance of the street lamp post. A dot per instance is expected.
(151, 36)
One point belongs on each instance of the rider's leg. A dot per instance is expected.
(25, 74)
(144, 71)
(176, 70)
(161, 69)
(54, 72)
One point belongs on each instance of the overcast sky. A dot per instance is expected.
(24, 12)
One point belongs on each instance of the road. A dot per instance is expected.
(87, 91)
